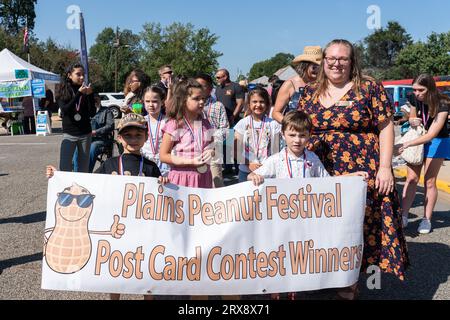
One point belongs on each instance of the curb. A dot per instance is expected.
(441, 184)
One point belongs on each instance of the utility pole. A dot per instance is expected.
(116, 46)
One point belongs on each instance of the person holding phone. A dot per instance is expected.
(76, 101)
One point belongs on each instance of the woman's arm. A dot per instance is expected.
(284, 95)
(166, 156)
(385, 180)
(439, 122)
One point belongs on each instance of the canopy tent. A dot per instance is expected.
(286, 73)
(264, 80)
(19, 78)
(10, 63)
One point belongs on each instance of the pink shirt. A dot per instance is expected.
(185, 145)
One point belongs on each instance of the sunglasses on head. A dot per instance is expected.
(83, 200)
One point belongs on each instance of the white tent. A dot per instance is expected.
(16, 72)
(264, 80)
(9, 63)
(286, 73)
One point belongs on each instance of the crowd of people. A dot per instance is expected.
(328, 120)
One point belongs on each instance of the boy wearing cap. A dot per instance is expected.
(132, 135)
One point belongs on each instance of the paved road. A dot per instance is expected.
(23, 189)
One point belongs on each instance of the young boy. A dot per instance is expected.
(133, 133)
(294, 161)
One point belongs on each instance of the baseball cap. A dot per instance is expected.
(132, 120)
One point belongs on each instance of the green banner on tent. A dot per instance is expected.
(21, 73)
(15, 89)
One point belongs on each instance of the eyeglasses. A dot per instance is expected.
(219, 77)
(332, 60)
(83, 200)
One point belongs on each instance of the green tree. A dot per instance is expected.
(103, 56)
(426, 57)
(52, 57)
(384, 45)
(270, 66)
(15, 15)
(47, 55)
(187, 50)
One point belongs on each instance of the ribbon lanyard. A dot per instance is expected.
(425, 119)
(141, 165)
(154, 145)
(257, 142)
(289, 165)
(78, 105)
(199, 140)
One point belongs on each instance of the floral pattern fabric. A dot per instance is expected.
(346, 138)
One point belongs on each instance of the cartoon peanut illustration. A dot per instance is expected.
(69, 246)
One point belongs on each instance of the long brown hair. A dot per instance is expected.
(181, 91)
(433, 97)
(144, 79)
(355, 72)
(263, 94)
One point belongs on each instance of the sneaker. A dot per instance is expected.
(404, 221)
(425, 226)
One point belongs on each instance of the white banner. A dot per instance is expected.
(124, 234)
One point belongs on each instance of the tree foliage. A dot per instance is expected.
(270, 66)
(47, 55)
(384, 45)
(15, 15)
(430, 57)
(187, 50)
(103, 56)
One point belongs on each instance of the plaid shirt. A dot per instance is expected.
(215, 113)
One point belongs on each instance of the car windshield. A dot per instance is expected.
(390, 92)
(118, 96)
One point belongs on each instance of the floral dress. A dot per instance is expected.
(346, 138)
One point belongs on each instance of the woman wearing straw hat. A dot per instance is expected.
(307, 66)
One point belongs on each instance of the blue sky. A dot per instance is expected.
(248, 31)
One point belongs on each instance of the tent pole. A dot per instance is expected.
(35, 115)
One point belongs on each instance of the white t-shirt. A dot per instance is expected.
(250, 131)
(276, 166)
(147, 150)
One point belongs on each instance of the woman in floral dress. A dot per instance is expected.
(353, 131)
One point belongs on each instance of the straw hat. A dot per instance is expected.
(310, 54)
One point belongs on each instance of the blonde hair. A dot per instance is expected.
(356, 75)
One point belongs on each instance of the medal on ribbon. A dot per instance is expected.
(256, 139)
(198, 141)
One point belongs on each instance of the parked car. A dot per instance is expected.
(398, 94)
(113, 100)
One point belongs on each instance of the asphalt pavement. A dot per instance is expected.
(23, 191)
